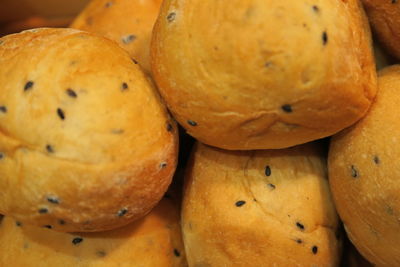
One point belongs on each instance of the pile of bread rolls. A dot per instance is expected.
(295, 136)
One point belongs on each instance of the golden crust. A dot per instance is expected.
(238, 212)
(154, 240)
(86, 143)
(128, 22)
(262, 74)
(364, 176)
(384, 17)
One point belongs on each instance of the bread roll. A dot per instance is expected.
(384, 17)
(364, 176)
(259, 208)
(128, 22)
(259, 74)
(85, 142)
(153, 241)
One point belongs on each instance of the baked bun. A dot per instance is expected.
(364, 176)
(384, 17)
(262, 74)
(128, 22)
(153, 241)
(259, 208)
(85, 142)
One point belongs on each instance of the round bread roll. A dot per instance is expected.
(364, 176)
(260, 74)
(259, 208)
(85, 142)
(154, 240)
(128, 22)
(384, 17)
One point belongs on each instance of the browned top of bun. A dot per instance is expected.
(259, 208)
(384, 17)
(260, 74)
(154, 240)
(85, 142)
(364, 175)
(127, 22)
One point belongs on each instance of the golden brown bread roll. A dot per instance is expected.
(259, 74)
(384, 17)
(128, 22)
(364, 176)
(153, 241)
(259, 208)
(85, 142)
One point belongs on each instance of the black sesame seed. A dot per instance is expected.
(377, 160)
(315, 8)
(1, 155)
(354, 172)
(169, 127)
(300, 226)
(287, 108)
(267, 171)
(101, 253)
(117, 131)
(60, 113)
(48, 226)
(272, 186)
(77, 240)
(134, 61)
(49, 149)
(43, 210)
(299, 241)
(71, 93)
(122, 212)
(124, 86)
(314, 249)
(177, 253)
(3, 109)
(192, 123)
(28, 85)
(128, 38)
(17, 223)
(394, 1)
(171, 17)
(53, 200)
(163, 165)
(324, 38)
(240, 203)
(61, 222)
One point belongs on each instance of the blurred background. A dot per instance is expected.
(18, 15)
